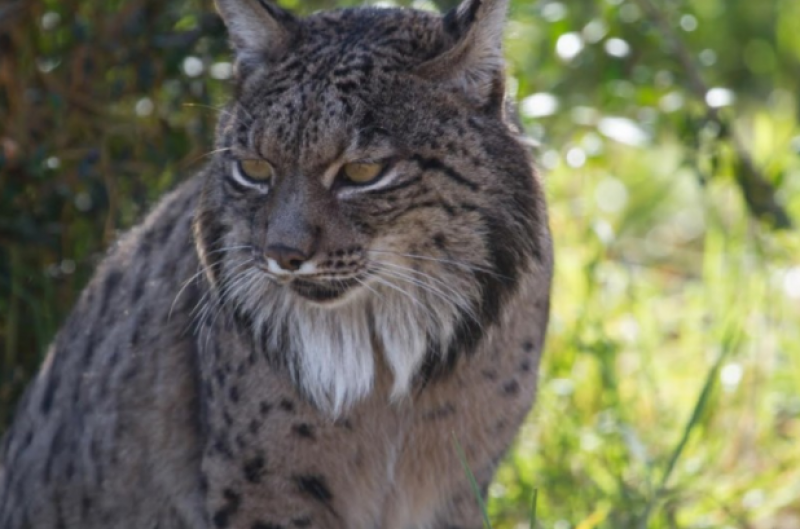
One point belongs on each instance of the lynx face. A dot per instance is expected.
(367, 185)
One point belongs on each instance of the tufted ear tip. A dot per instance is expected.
(474, 64)
(258, 28)
(487, 15)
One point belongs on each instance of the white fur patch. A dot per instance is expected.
(331, 354)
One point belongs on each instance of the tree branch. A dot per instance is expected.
(759, 193)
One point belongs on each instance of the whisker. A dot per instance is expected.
(191, 162)
(225, 111)
(237, 105)
(230, 248)
(424, 275)
(230, 288)
(457, 302)
(202, 270)
(204, 304)
(219, 110)
(364, 283)
(184, 287)
(232, 283)
(211, 289)
(411, 297)
(215, 151)
(466, 266)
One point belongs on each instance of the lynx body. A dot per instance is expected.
(299, 335)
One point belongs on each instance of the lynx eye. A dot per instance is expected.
(256, 171)
(362, 173)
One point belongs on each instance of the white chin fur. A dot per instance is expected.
(333, 360)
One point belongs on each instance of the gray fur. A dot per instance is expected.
(200, 383)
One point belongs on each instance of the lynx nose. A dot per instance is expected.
(289, 259)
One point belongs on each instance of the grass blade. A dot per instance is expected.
(534, 498)
(476, 490)
(729, 343)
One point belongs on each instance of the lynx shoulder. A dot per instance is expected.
(299, 335)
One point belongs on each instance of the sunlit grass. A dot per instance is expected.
(669, 387)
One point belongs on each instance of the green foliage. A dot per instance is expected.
(669, 145)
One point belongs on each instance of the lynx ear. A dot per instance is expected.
(258, 29)
(474, 63)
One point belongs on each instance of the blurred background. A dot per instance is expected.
(670, 145)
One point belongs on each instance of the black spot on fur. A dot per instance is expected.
(91, 345)
(28, 438)
(109, 286)
(49, 393)
(221, 448)
(138, 290)
(142, 323)
(315, 487)
(511, 388)
(302, 522)
(489, 374)
(264, 525)
(165, 233)
(303, 430)
(70, 472)
(441, 412)
(254, 469)
(146, 243)
(254, 427)
(56, 448)
(86, 506)
(223, 515)
(347, 424)
(347, 87)
(287, 406)
(60, 522)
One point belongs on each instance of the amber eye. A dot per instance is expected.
(259, 171)
(362, 173)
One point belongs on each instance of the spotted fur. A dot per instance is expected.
(304, 351)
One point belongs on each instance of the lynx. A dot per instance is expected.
(309, 332)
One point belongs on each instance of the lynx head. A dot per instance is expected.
(370, 196)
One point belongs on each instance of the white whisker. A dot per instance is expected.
(467, 266)
(205, 300)
(457, 301)
(386, 282)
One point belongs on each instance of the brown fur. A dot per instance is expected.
(197, 385)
